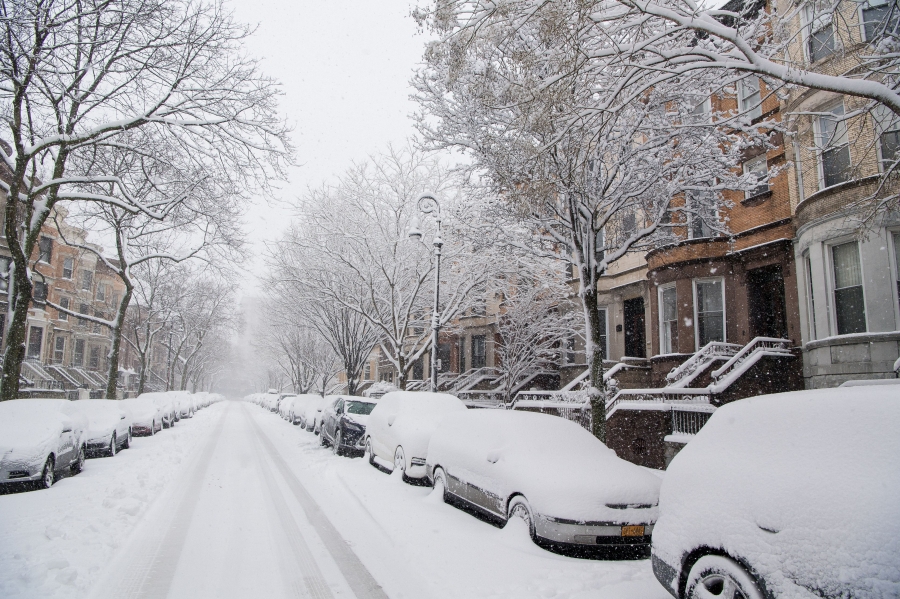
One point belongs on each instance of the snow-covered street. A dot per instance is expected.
(236, 502)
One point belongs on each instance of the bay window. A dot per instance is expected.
(849, 305)
(834, 150)
(668, 319)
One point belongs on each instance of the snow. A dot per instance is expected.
(407, 419)
(103, 417)
(33, 429)
(561, 469)
(142, 410)
(803, 486)
(236, 544)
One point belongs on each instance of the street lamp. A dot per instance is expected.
(428, 204)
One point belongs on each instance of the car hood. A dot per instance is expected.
(360, 419)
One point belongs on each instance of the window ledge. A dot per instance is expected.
(757, 199)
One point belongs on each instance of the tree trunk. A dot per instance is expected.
(112, 373)
(594, 357)
(16, 336)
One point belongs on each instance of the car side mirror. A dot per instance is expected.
(122, 417)
(391, 419)
(67, 430)
(493, 456)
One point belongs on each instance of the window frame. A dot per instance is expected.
(747, 168)
(881, 115)
(755, 111)
(60, 351)
(660, 292)
(863, 7)
(75, 353)
(812, 330)
(87, 278)
(49, 251)
(64, 303)
(40, 344)
(832, 284)
(721, 281)
(822, 147)
(483, 355)
(894, 241)
(70, 268)
(5, 262)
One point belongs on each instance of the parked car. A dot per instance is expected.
(572, 491)
(184, 404)
(344, 424)
(38, 438)
(285, 404)
(400, 427)
(146, 416)
(167, 404)
(108, 425)
(311, 416)
(298, 407)
(787, 495)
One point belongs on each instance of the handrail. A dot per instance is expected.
(768, 343)
(710, 351)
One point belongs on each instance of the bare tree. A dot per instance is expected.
(82, 77)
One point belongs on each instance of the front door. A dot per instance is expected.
(634, 328)
(765, 298)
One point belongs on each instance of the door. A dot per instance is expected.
(766, 304)
(635, 346)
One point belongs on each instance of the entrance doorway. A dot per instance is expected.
(635, 346)
(765, 299)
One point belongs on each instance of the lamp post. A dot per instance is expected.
(428, 204)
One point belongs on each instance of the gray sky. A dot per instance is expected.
(345, 67)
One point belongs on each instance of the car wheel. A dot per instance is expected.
(718, 576)
(322, 441)
(78, 465)
(112, 445)
(400, 460)
(369, 452)
(127, 443)
(48, 476)
(439, 478)
(519, 508)
(153, 428)
(336, 446)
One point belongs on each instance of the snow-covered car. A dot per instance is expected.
(269, 400)
(793, 495)
(39, 438)
(184, 404)
(344, 424)
(285, 404)
(311, 415)
(108, 425)
(167, 404)
(298, 407)
(400, 427)
(572, 491)
(146, 416)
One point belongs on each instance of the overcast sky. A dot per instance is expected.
(345, 67)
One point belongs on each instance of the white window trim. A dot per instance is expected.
(694, 282)
(740, 90)
(809, 291)
(830, 283)
(659, 302)
(881, 130)
(861, 19)
(895, 270)
(605, 309)
(808, 31)
(765, 160)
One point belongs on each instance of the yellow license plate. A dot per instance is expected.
(633, 531)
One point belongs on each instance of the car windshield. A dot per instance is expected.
(359, 407)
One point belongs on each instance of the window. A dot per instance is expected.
(876, 21)
(78, 354)
(367, 373)
(668, 319)
(64, 303)
(87, 280)
(759, 167)
(599, 246)
(94, 362)
(629, 222)
(702, 112)
(887, 128)
(4, 272)
(59, 350)
(749, 98)
(849, 306)
(819, 34)
(570, 350)
(35, 336)
(709, 306)
(45, 249)
(604, 330)
(897, 260)
(834, 151)
(82, 309)
(68, 268)
(810, 298)
(101, 292)
(96, 326)
(39, 293)
(478, 353)
(698, 202)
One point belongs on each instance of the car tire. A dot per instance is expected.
(519, 508)
(48, 476)
(371, 455)
(336, 445)
(78, 465)
(153, 428)
(400, 460)
(720, 576)
(127, 443)
(113, 445)
(322, 441)
(440, 477)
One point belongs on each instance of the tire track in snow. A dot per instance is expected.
(315, 584)
(358, 577)
(150, 575)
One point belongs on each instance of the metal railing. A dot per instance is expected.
(682, 375)
(687, 421)
(771, 345)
